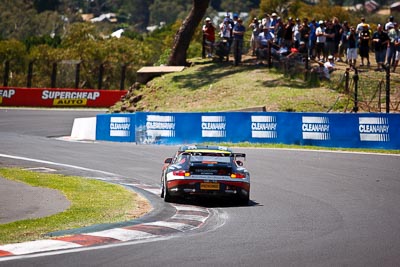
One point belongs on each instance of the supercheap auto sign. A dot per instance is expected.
(55, 97)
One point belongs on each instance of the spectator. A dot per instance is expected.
(391, 49)
(288, 32)
(329, 67)
(264, 39)
(330, 39)
(305, 32)
(397, 57)
(299, 53)
(389, 23)
(312, 39)
(364, 45)
(325, 68)
(235, 18)
(352, 37)
(232, 23)
(273, 22)
(338, 34)
(209, 36)
(238, 34)
(380, 39)
(266, 20)
(255, 27)
(320, 43)
(344, 43)
(296, 33)
(360, 26)
(278, 31)
(225, 29)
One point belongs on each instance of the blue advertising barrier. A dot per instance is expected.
(367, 130)
(115, 127)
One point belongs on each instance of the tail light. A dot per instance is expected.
(181, 173)
(238, 175)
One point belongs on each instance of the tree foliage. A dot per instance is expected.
(44, 32)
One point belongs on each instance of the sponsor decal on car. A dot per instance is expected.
(315, 128)
(374, 129)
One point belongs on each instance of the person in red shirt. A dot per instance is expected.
(209, 36)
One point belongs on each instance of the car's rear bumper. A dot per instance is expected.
(182, 187)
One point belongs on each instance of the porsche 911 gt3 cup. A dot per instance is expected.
(212, 171)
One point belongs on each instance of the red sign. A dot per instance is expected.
(58, 97)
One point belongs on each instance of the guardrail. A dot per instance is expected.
(367, 130)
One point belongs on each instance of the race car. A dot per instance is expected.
(211, 171)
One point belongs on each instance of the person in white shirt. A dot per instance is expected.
(329, 66)
(321, 39)
(263, 39)
(225, 29)
(389, 24)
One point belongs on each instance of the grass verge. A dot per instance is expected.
(92, 202)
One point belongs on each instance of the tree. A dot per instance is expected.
(186, 32)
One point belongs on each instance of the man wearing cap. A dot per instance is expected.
(273, 22)
(329, 67)
(263, 40)
(391, 49)
(320, 43)
(209, 36)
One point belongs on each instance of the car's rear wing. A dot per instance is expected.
(239, 155)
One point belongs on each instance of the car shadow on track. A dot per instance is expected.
(213, 202)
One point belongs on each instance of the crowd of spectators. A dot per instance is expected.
(322, 40)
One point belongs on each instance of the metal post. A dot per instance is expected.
(30, 75)
(6, 72)
(54, 76)
(388, 90)
(355, 78)
(77, 75)
(123, 75)
(306, 67)
(347, 81)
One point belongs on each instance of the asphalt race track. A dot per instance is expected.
(308, 208)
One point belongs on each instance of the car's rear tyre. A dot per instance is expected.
(167, 197)
(162, 189)
(243, 201)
